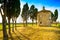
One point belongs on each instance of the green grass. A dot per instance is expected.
(18, 25)
(29, 24)
(0, 26)
(55, 25)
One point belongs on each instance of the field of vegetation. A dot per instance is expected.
(33, 32)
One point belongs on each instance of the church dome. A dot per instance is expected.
(44, 10)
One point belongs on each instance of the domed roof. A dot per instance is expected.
(44, 10)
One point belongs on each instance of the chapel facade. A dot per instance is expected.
(44, 17)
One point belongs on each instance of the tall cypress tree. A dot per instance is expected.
(3, 7)
(16, 11)
(32, 13)
(25, 14)
(35, 14)
(55, 15)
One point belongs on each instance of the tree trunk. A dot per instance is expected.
(36, 22)
(9, 25)
(23, 23)
(54, 19)
(12, 25)
(5, 36)
(32, 22)
(26, 22)
(15, 25)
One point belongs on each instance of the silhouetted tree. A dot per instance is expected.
(16, 11)
(3, 14)
(32, 13)
(55, 15)
(25, 13)
(35, 14)
(52, 17)
(10, 11)
(1, 1)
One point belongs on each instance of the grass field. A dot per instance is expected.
(34, 32)
(30, 24)
(18, 24)
(10, 25)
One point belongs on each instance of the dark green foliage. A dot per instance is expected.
(10, 12)
(32, 12)
(55, 15)
(3, 6)
(1, 1)
(13, 10)
(52, 16)
(17, 8)
(9, 8)
(25, 13)
(35, 13)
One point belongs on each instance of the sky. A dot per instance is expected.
(54, 3)
(49, 5)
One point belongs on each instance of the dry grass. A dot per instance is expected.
(34, 33)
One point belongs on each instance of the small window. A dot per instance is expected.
(40, 22)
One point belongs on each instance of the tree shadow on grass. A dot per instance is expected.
(58, 34)
(17, 36)
(11, 36)
(23, 35)
(1, 38)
